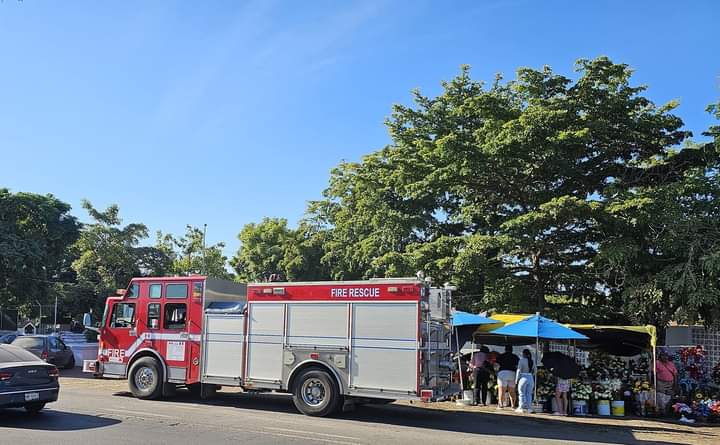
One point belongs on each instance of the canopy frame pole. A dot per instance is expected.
(654, 372)
(457, 345)
(535, 369)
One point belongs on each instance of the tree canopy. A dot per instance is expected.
(521, 191)
(189, 254)
(36, 232)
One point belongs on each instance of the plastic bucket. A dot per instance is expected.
(603, 407)
(617, 407)
(580, 407)
(469, 395)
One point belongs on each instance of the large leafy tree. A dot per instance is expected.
(508, 189)
(35, 234)
(109, 254)
(270, 249)
(663, 255)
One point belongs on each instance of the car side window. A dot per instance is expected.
(134, 291)
(176, 291)
(155, 291)
(153, 315)
(175, 316)
(123, 315)
(54, 344)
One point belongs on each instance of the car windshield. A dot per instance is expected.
(29, 342)
(9, 354)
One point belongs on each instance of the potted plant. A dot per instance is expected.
(581, 393)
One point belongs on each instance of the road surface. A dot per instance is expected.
(100, 411)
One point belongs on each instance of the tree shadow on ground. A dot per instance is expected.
(479, 423)
(51, 420)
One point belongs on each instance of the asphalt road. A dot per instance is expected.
(97, 412)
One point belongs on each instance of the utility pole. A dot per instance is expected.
(55, 318)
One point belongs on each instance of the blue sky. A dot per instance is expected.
(215, 112)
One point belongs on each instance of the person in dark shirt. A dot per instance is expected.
(506, 376)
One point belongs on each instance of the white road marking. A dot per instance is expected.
(297, 436)
(312, 432)
(139, 413)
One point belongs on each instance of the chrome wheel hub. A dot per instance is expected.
(144, 378)
(313, 392)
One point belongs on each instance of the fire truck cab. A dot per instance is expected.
(326, 343)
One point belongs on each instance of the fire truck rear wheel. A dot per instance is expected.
(146, 379)
(316, 393)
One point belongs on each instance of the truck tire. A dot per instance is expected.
(146, 379)
(316, 393)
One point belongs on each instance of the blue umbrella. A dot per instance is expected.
(460, 318)
(539, 327)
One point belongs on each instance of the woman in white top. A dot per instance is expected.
(525, 382)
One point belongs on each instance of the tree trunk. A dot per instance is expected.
(539, 285)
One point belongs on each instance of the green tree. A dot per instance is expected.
(270, 248)
(506, 190)
(109, 255)
(35, 233)
(190, 254)
(663, 255)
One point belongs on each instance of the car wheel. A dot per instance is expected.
(145, 379)
(34, 408)
(316, 393)
(70, 363)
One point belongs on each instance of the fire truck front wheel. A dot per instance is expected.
(146, 379)
(316, 393)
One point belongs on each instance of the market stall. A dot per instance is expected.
(536, 329)
(616, 370)
(464, 324)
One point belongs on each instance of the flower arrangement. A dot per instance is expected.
(602, 391)
(581, 391)
(546, 385)
(640, 366)
(681, 408)
(693, 369)
(706, 408)
(640, 385)
(605, 367)
(683, 412)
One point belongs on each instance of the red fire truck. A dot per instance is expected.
(330, 344)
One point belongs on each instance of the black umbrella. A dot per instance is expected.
(561, 365)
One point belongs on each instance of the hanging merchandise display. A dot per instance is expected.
(693, 370)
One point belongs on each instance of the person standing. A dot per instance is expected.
(561, 396)
(481, 374)
(508, 363)
(525, 382)
(666, 374)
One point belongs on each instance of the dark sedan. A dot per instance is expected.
(49, 348)
(25, 380)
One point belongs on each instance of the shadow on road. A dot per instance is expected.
(51, 420)
(75, 373)
(481, 423)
